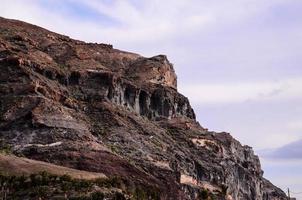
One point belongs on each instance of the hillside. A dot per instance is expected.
(90, 107)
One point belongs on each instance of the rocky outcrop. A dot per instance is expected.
(95, 108)
(153, 101)
(155, 70)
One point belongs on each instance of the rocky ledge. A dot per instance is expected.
(94, 108)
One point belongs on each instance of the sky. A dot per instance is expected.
(238, 61)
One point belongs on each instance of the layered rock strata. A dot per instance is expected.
(95, 108)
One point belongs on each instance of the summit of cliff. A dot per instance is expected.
(91, 109)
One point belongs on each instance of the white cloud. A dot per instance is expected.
(154, 21)
(295, 125)
(158, 20)
(221, 93)
(291, 151)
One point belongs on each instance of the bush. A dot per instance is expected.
(110, 182)
(97, 196)
(66, 177)
(119, 196)
(5, 148)
(204, 194)
(41, 191)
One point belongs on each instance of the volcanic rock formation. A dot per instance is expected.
(91, 107)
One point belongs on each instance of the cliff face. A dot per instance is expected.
(95, 108)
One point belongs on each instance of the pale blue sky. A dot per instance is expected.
(238, 61)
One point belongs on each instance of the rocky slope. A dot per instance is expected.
(91, 107)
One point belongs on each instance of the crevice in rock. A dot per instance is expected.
(130, 96)
(143, 102)
(74, 78)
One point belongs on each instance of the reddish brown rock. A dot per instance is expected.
(95, 108)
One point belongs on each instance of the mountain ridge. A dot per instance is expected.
(116, 113)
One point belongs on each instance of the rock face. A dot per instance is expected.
(95, 108)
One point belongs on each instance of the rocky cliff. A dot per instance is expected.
(90, 107)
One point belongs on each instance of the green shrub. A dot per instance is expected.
(110, 182)
(119, 196)
(5, 148)
(97, 196)
(66, 177)
(204, 194)
(41, 191)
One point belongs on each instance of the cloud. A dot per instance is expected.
(225, 93)
(291, 151)
(150, 21)
(144, 22)
(295, 125)
(154, 21)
